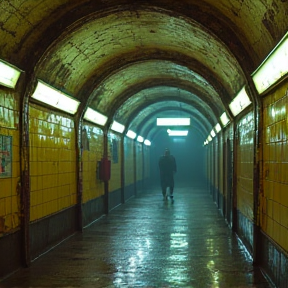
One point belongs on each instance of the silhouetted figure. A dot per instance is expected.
(167, 167)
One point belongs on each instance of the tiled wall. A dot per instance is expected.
(146, 161)
(245, 165)
(93, 143)
(129, 161)
(52, 162)
(139, 161)
(114, 152)
(274, 200)
(9, 188)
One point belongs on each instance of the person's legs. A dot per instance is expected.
(171, 189)
(164, 192)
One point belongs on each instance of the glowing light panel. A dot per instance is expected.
(9, 75)
(117, 127)
(177, 132)
(49, 95)
(147, 142)
(224, 119)
(240, 102)
(218, 128)
(131, 134)
(273, 68)
(173, 121)
(140, 139)
(95, 117)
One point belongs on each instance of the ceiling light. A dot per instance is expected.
(224, 119)
(147, 142)
(273, 68)
(140, 139)
(9, 74)
(177, 132)
(240, 102)
(131, 134)
(49, 95)
(209, 138)
(218, 128)
(117, 127)
(212, 133)
(173, 121)
(95, 117)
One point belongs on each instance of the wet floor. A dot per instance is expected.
(148, 242)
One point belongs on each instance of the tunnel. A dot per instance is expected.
(82, 84)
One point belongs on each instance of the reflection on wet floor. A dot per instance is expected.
(148, 242)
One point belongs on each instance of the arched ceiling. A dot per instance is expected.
(133, 59)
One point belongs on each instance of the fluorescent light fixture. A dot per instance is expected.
(49, 95)
(147, 142)
(273, 68)
(240, 102)
(224, 119)
(9, 74)
(177, 132)
(140, 139)
(218, 128)
(173, 121)
(131, 134)
(209, 138)
(117, 127)
(95, 117)
(212, 133)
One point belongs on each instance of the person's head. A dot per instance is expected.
(167, 152)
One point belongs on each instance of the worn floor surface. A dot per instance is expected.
(148, 242)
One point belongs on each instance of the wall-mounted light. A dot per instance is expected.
(224, 119)
(273, 68)
(240, 102)
(131, 134)
(9, 74)
(177, 132)
(212, 133)
(147, 142)
(140, 139)
(173, 121)
(217, 128)
(53, 97)
(117, 127)
(95, 117)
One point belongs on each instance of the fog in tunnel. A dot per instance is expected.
(189, 154)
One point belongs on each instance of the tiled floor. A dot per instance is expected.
(148, 242)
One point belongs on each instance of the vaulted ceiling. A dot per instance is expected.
(135, 60)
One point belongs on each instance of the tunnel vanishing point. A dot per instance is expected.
(131, 62)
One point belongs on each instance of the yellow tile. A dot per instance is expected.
(6, 187)
(284, 238)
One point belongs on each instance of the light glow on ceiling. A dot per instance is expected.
(273, 68)
(177, 132)
(117, 127)
(224, 119)
(9, 74)
(173, 121)
(95, 117)
(240, 102)
(53, 97)
(131, 134)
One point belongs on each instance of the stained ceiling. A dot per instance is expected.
(135, 60)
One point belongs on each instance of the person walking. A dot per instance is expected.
(167, 167)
